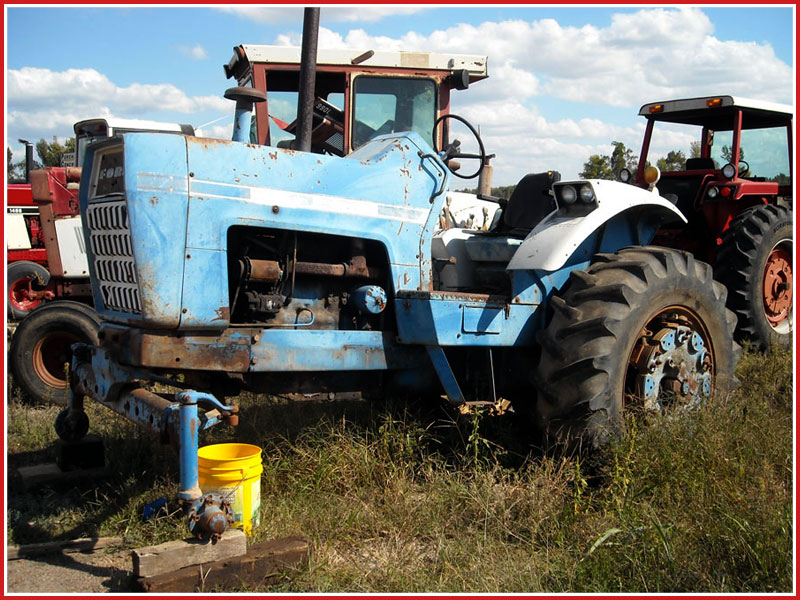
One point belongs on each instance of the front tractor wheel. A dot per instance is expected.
(755, 262)
(40, 348)
(642, 329)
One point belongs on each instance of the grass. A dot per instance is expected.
(397, 497)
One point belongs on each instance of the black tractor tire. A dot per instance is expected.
(755, 263)
(611, 324)
(40, 348)
(21, 274)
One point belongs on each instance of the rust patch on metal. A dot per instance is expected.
(225, 352)
(209, 142)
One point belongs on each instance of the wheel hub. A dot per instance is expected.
(778, 288)
(49, 356)
(20, 295)
(671, 363)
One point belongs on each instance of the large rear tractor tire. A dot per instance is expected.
(755, 262)
(40, 348)
(21, 277)
(643, 329)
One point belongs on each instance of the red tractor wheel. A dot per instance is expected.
(40, 348)
(777, 288)
(755, 263)
(22, 277)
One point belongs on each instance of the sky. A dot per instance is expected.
(564, 81)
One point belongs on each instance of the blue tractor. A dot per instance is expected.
(246, 267)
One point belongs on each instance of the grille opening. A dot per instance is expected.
(114, 266)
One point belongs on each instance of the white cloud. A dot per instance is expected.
(34, 111)
(652, 54)
(648, 55)
(196, 52)
(221, 132)
(287, 14)
(639, 57)
(88, 91)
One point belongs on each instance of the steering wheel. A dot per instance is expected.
(452, 150)
(744, 171)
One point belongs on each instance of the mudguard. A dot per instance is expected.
(549, 246)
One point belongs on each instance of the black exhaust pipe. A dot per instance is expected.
(28, 159)
(308, 75)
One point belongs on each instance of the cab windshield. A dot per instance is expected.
(391, 104)
(763, 154)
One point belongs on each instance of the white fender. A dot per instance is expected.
(548, 246)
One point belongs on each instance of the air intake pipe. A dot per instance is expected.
(245, 98)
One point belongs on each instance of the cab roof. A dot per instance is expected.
(716, 112)
(102, 124)
(475, 64)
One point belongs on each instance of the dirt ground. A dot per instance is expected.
(78, 572)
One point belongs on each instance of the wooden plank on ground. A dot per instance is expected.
(50, 473)
(171, 556)
(260, 566)
(63, 546)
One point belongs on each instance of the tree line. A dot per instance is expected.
(608, 166)
(50, 154)
(603, 166)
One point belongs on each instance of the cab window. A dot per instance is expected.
(391, 104)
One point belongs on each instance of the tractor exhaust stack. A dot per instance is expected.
(308, 74)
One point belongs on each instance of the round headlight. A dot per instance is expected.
(713, 192)
(568, 194)
(652, 175)
(587, 193)
(728, 171)
(625, 176)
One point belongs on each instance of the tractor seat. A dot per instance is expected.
(462, 250)
(699, 164)
(530, 202)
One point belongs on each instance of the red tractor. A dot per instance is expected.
(26, 253)
(735, 189)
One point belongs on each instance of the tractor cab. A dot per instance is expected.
(358, 94)
(721, 154)
(727, 164)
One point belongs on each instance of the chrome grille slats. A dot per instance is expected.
(114, 265)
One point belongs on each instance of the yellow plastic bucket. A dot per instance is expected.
(234, 471)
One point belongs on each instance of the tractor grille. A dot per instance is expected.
(114, 266)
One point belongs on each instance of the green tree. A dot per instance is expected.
(675, 160)
(622, 158)
(9, 164)
(694, 150)
(780, 179)
(597, 167)
(608, 166)
(51, 153)
(15, 171)
(727, 154)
